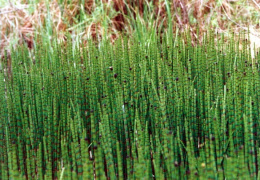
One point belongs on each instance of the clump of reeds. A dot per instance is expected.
(161, 109)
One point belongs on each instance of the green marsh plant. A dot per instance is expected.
(132, 110)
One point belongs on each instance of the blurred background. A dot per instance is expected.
(21, 21)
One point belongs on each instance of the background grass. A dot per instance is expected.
(22, 20)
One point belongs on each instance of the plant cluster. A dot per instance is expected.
(156, 109)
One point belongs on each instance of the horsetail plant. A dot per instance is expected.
(131, 110)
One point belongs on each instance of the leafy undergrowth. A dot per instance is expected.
(161, 108)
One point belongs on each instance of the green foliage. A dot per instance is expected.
(159, 108)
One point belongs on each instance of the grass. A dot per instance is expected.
(21, 21)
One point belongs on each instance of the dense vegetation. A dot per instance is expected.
(159, 108)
